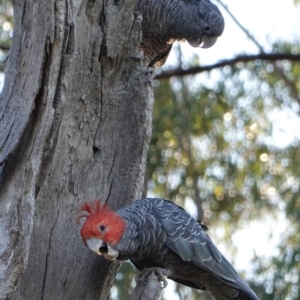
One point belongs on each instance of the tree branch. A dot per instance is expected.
(229, 62)
(149, 284)
(277, 69)
(249, 35)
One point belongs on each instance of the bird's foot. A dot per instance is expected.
(150, 74)
(160, 273)
(139, 55)
(148, 71)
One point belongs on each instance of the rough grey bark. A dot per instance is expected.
(75, 117)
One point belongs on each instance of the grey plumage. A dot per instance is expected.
(161, 234)
(164, 21)
(156, 233)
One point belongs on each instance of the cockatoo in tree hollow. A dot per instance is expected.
(158, 233)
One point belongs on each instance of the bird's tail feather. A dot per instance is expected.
(221, 290)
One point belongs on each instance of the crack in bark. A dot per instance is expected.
(110, 183)
(109, 192)
(68, 273)
(51, 126)
(112, 166)
(3, 145)
(23, 12)
(48, 254)
(69, 37)
(52, 138)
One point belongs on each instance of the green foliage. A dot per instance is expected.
(214, 142)
(217, 139)
(124, 282)
(211, 134)
(6, 25)
(279, 278)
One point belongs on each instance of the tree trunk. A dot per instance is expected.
(75, 117)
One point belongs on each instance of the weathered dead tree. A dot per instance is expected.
(75, 117)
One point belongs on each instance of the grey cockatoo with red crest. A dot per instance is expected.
(158, 233)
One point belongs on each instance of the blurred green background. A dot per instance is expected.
(225, 146)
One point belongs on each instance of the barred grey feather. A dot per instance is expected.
(161, 234)
(164, 21)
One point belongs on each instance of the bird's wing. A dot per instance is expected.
(189, 240)
(158, 221)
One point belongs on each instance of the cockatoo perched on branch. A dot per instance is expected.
(158, 233)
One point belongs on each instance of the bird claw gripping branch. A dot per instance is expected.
(156, 233)
(199, 22)
(160, 273)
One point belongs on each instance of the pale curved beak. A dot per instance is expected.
(101, 248)
(94, 245)
(205, 42)
(208, 41)
(194, 43)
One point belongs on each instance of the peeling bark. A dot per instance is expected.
(75, 124)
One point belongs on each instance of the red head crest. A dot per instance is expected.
(101, 222)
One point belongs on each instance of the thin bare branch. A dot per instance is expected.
(149, 284)
(249, 35)
(277, 70)
(272, 57)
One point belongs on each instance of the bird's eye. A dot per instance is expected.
(102, 227)
(207, 28)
